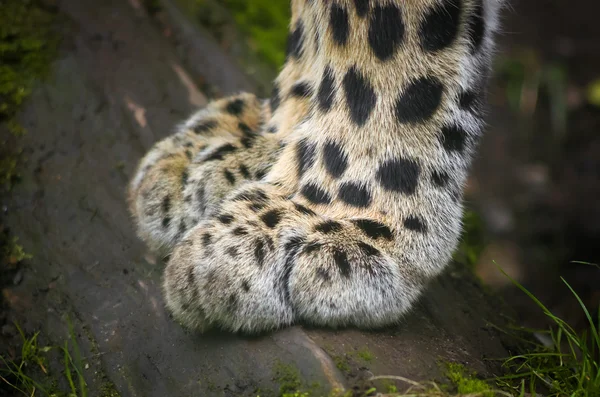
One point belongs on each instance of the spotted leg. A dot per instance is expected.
(376, 169)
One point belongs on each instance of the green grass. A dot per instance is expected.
(567, 367)
(29, 374)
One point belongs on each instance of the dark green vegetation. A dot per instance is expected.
(566, 365)
(27, 45)
(266, 24)
(55, 371)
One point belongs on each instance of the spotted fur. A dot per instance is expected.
(339, 199)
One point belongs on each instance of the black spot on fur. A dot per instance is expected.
(338, 20)
(235, 107)
(206, 239)
(191, 278)
(246, 285)
(323, 274)
(453, 138)
(360, 97)
(188, 154)
(166, 222)
(329, 226)
(386, 30)
(304, 210)
(240, 231)
(244, 171)
(468, 100)
(166, 204)
(275, 99)
(439, 28)
(232, 302)
(367, 249)
(188, 198)
(245, 129)
(301, 90)
(362, 7)
(341, 261)
(259, 252)
(296, 41)
(476, 27)
(182, 227)
(251, 195)
(211, 277)
(374, 229)
(270, 244)
(305, 155)
(225, 219)
(315, 194)
(257, 206)
(440, 178)
(229, 176)
(233, 252)
(326, 91)
(204, 126)
(200, 196)
(419, 101)
(272, 129)
(399, 175)
(188, 144)
(291, 247)
(221, 151)
(415, 223)
(335, 159)
(184, 177)
(260, 174)
(312, 247)
(354, 194)
(271, 218)
(247, 141)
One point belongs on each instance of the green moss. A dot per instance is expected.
(8, 172)
(365, 355)
(13, 252)
(342, 363)
(266, 24)
(465, 381)
(108, 389)
(287, 377)
(27, 45)
(391, 389)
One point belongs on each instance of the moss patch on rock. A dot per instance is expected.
(27, 45)
(465, 382)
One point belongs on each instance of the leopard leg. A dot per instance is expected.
(376, 170)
